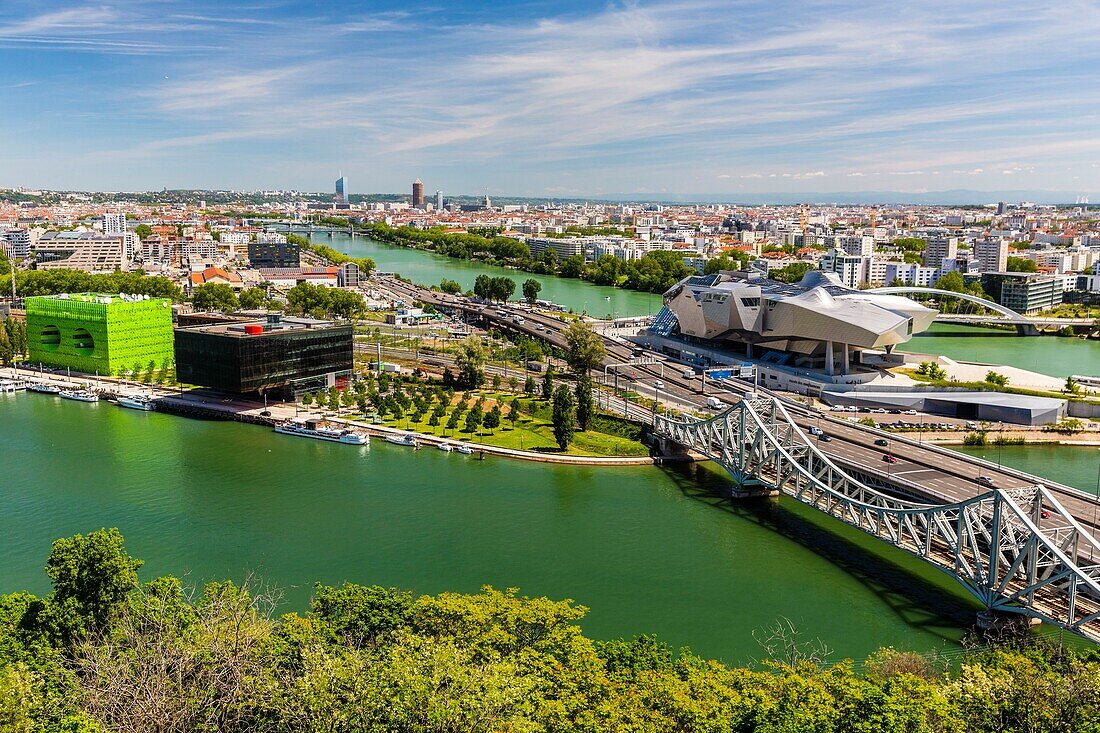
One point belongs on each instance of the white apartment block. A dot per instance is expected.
(940, 248)
(911, 274)
(991, 254)
(88, 251)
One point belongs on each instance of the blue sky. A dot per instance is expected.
(551, 98)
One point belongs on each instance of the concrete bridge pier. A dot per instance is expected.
(1027, 329)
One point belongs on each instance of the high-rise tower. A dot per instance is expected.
(418, 194)
(342, 190)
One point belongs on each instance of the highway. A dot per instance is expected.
(944, 475)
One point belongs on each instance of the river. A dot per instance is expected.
(1056, 356)
(1052, 355)
(428, 268)
(648, 550)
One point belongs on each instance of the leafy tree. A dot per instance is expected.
(252, 298)
(572, 266)
(143, 231)
(791, 273)
(497, 381)
(215, 297)
(995, 378)
(584, 347)
(585, 408)
(92, 575)
(474, 420)
(932, 370)
(7, 350)
(1072, 386)
(452, 421)
(1022, 264)
(359, 615)
(732, 260)
(548, 382)
(307, 399)
(492, 418)
(470, 358)
(564, 417)
(513, 411)
(952, 281)
(531, 289)
(450, 286)
(529, 386)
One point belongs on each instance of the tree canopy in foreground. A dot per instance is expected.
(104, 652)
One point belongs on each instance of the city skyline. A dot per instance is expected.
(552, 100)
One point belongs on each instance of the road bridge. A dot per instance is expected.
(1024, 324)
(1015, 550)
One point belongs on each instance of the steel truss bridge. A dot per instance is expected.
(1015, 550)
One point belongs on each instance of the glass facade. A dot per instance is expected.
(282, 361)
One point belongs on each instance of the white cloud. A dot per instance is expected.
(723, 176)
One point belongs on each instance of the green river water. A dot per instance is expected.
(649, 550)
(428, 268)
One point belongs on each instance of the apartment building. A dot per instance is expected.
(88, 251)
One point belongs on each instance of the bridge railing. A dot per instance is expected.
(1015, 550)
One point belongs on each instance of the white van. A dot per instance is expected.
(714, 403)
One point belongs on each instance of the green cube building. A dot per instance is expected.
(97, 332)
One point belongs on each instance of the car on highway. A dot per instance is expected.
(889, 458)
(824, 438)
(985, 480)
(909, 412)
(814, 430)
(658, 384)
(882, 441)
(689, 374)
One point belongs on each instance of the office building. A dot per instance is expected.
(418, 194)
(16, 243)
(939, 249)
(267, 254)
(88, 251)
(348, 275)
(817, 323)
(281, 357)
(1024, 292)
(851, 270)
(341, 190)
(114, 224)
(907, 273)
(564, 247)
(439, 201)
(991, 254)
(96, 332)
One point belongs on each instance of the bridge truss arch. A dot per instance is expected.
(1015, 550)
(1007, 314)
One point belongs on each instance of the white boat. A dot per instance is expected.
(445, 447)
(137, 402)
(405, 440)
(12, 385)
(311, 429)
(80, 395)
(43, 388)
(464, 449)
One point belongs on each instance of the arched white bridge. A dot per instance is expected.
(1015, 550)
(1007, 313)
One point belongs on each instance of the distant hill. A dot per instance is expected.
(952, 197)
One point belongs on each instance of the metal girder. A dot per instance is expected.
(1014, 549)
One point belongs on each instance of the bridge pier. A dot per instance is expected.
(1027, 329)
(994, 624)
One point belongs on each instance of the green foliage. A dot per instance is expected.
(1022, 264)
(995, 378)
(975, 438)
(470, 358)
(548, 383)
(911, 244)
(215, 297)
(529, 386)
(323, 302)
(585, 408)
(931, 370)
(952, 281)
(584, 349)
(370, 658)
(52, 282)
(252, 298)
(564, 419)
(531, 289)
(732, 260)
(143, 231)
(494, 288)
(450, 286)
(791, 273)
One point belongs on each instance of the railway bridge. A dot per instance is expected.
(1017, 551)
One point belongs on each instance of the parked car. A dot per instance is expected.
(909, 412)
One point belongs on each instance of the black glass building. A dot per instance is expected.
(279, 357)
(273, 254)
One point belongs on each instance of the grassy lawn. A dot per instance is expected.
(532, 431)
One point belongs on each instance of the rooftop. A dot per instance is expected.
(100, 298)
(272, 324)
